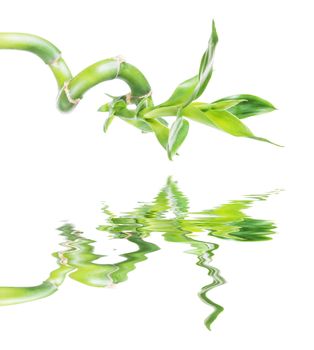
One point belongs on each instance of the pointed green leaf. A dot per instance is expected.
(118, 104)
(118, 108)
(163, 121)
(177, 135)
(104, 108)
(197, 115)
(162, 112)
(222, 120)
(252, 105)
(223, 105)
(192, 88)
(160, 130)
(182, 93)
(108, 121)
(125, 113)
(206, 67)
(138, 123)
(113, 107)
(143, 104)
(229, 123)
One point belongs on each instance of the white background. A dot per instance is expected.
(58, 167)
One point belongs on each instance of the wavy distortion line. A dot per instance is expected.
(168, 214)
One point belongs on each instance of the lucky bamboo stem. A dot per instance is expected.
(225, 114)
(99, 72)
(71, 90)
(42, 48)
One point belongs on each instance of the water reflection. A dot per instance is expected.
(167, 214)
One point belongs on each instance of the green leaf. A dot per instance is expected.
(178, 133)
(230, 124)
(162, 112)
(162, 121)
(192, 88)
(223, 105)
(197, 115)
(117, 104)
(252, 105)
(118, 108)
(143, 104)
(104, 108)
(222, 120)
(113, 107)
(138, 123)
(182, 93)
(206, 67)
(160, 130)
(108, 121)
(227, 122)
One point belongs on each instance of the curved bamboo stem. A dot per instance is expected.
(71, 90)
(225, 114)
(99, 72)
(42, 48)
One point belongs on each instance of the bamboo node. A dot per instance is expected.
(128, 98)
(55, 61)
(119, 59)
(145, 96)
(62, 259)
(68, 95)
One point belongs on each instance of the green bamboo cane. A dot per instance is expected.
(42, 48)
(71, 90)
(225, 114)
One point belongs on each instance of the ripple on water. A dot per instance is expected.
(169, 215)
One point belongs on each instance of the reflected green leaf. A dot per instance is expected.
(168, 214)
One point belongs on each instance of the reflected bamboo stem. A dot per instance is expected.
(169, 215)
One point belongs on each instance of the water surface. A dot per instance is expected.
(167, 214)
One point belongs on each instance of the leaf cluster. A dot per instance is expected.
(225, 114)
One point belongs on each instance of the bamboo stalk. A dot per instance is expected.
(99, 72)
(225, 114)
(42, 48)
(71, 90)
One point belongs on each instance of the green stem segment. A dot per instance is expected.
(71, 90)
(99, 72)
(42, 48)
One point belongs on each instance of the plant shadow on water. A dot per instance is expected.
(168, 214)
